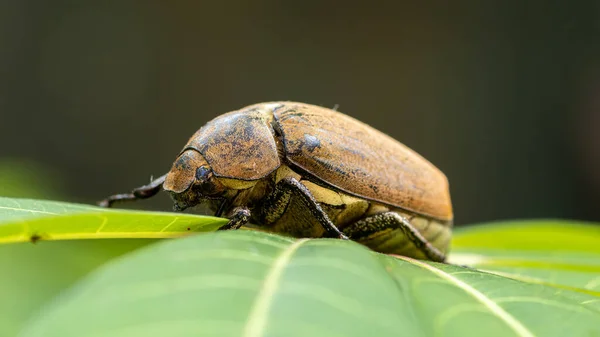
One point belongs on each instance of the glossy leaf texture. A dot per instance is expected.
(31, 220)
(559, 253)
(247, 283)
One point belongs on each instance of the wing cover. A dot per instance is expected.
(349, 155)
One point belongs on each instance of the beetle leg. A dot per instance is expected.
(142, 192)
(278, 201)
(238, 217)
(379, 231)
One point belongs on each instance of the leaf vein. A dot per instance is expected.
(494, 308)
(257, 318)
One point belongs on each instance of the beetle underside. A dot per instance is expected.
(303, 208)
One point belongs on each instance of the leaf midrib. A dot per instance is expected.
(257, 318)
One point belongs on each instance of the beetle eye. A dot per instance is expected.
(202, 173)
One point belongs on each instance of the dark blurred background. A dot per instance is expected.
(503, 96)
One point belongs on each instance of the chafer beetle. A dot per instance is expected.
(309, 171)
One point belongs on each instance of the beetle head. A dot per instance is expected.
(191, 181)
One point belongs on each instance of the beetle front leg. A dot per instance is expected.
(289, 190)
(143, 192)
(390, 232)
(238, 217)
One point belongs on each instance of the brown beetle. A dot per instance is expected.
(309, 171)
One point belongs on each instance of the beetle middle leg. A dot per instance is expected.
(142, 192)
(292, 196)
(392, 231)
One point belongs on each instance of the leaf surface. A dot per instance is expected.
(257, 284)
(559, 253)
(31, 220)
(30, 275)
(532, 278)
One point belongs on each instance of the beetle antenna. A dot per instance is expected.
(143, 192)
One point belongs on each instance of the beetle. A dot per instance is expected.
(308, 171)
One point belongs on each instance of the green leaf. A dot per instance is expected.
(248, 283)
(560, 253)
(34, 274)
(29, 220)
(23, 177)
(38, 272)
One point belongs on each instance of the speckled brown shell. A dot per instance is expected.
(239, 145)
(348, 155)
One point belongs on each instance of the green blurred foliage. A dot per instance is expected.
(33, 274)
(26, 178)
